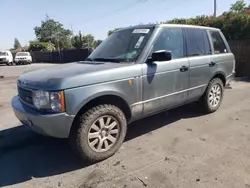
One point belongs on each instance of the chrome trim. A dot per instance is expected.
(229, 75)
(223, 62)
(149, 100)
(198, 66)
(159, 73)
(232, 74)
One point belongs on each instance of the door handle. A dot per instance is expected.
(184, 69)
(212, 64)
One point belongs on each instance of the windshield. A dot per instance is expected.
(3, 54)
(22, 54)
(124, 45)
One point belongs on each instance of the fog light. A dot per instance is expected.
(55, 106)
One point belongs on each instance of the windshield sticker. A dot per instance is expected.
(138, 44)
(141, 31)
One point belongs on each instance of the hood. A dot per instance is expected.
(60, 77)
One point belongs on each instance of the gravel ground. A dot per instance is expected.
(179, 149)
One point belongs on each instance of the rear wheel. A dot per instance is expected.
(213, 96)
(98, 133)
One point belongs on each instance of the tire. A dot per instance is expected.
(83, 127)
(211, 92)
(8, 64)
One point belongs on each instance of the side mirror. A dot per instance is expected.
(161, 55)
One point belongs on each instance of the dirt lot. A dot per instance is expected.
(182, 148)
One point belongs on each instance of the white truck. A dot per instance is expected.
(6, 58)
(23, 58)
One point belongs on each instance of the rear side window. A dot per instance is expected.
(218, 43)
(197, 42)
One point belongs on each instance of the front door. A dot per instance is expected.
(165, 83)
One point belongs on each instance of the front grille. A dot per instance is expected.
(25, 95)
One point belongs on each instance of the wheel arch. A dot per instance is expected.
(107, 98)
(221, 76)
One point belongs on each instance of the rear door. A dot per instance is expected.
(199, 53)
(223, 59)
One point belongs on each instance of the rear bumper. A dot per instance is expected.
(54, 125)
(230, 78)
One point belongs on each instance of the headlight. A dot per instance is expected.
(49, 101)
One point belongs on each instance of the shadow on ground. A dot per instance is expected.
(24, 154)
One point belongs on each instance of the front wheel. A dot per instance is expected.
(98, 133)
(213, 95)
(8, 63)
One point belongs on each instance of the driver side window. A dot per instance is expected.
(171, 39)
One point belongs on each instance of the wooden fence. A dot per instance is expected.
(241, 50)
(63, 56)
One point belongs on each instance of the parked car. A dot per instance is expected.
(23, 58)
(136, 72)
(6, 58)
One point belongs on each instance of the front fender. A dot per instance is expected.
(99, 94)
(76, 98)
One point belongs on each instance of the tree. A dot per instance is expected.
(77, 41)
(239, 6)
(80, 41)
(112, 31)
(96, 43)
(41, 46)
(54, 32)
(88, 41)
(17, 44)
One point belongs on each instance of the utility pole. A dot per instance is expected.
(215, 7)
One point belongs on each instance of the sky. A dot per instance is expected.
(96, 17)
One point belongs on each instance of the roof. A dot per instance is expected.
(151, 26)
(186, 26)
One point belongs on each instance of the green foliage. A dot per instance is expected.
(239, 6)
(84, 41)
(17, 44)
(41, 46)
(112, 31)
(96, 43)
(88, 41)
(77, 41)
(54, 32)
(235, 24)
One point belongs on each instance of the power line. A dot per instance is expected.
(138, 2)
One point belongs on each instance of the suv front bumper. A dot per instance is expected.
(22, 61)
(54, 125)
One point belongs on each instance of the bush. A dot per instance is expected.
(234, 24)
(41, 46)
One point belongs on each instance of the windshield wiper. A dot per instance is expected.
(88, 59)
(106, 60)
